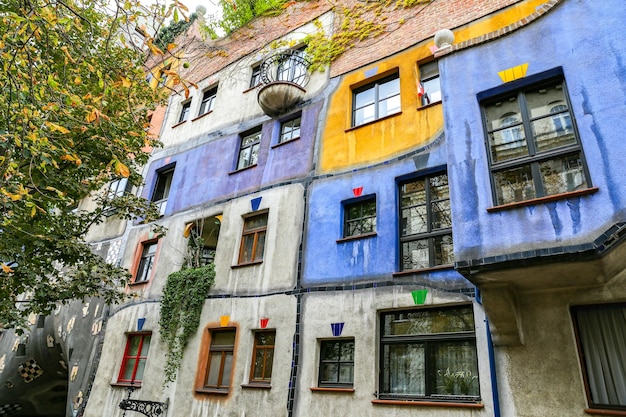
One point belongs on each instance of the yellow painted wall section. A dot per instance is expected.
(344, 147)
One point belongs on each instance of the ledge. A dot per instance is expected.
(241, 169)
(136, 284)
(179, 123)
(333, 389)
(285, 142)
(256, 386)
(389, 116)
(357, 237)
(212, 391)
(135, 384)
(603, 412)
(423, 270)
(428, 403)
(427, 106)
(201, 116)
(548, 199)
(246, 264)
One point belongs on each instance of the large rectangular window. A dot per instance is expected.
(429, 354)
(336, 363)
(533, 146)
(249, 149)
(162, 188)
(376, 100)
(601, 332)
(359, 217)
(134, 360)
(253, 239)
(146, 262)
(425, 223)
(220, 361)
(262, 357)
(208, 100)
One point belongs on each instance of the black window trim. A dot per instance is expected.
(351, 201)
(320, 383)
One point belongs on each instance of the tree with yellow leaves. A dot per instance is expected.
(73, 116)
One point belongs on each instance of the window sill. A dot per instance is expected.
(136, 284)
(548, 199)
(603, 412)
(428, 403)
(246, 264)
(135, 384)
(423, 270)
(357, 237)
(427, 106)
(212, 391)
(241, 169)
(179, 123)
(257, 385)
(285, 142)
(202, 115)
(389, 116)
(333, 389)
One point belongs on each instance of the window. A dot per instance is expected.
(429, 354)
(262, 357)
(376, 100)
(163, 76)
(249, 150)
(184, 112)
(359, 217)
(289, 130)
(253, 239)
(255, 79)
(134, 361)
(162, 188)
(533, 147)
(144, 270)
(601, 334)
(336, 363)
(118, 188)
(426, 223)
(292, 67)
(430, 89)
(220, 361)
(208, 100)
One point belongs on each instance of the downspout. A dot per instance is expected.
(495, 395)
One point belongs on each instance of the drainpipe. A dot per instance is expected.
(492, 363)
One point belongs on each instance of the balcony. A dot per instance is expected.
(283, 76)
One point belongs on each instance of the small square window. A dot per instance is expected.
(359, 218)
(262, 357)
(249, 149)
(376, 100)
(220, 361)
(533, 146)
(146, 262)
(426, 223)
(336, 363)
(253, 239)
(429, 88)
(208, 100)
(255, 79)
(429, 354)
(162, 187)
(184, 112)
(601, 332)
(134, 360)
(289, 130)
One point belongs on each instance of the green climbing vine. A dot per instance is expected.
(181, 305)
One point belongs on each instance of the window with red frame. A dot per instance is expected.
(135, 355)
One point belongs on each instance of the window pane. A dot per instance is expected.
(415, 254)
(389, 88)
(444, 250)
(441, 213)
(553, 131)
(163, 183)
(248, 140)
(347, 351)
(500, 114)
(330, 373)
(429, 70)
(223, 338)
(456, 368)
(403, 369)
(133, 345)
(432, 91)
(514, 185)
(346, 373)
(215, 360)
(140, 367)
(439, 187)
(127, 374)
(244, 158)
(260, 245)
(564, 174)
(254, 222)
(508, 143)
(414, 220)
(364, 115)
(246, 248)
(541, 100)
(265, 338)
(364, 98)
(389, 106)
(429, 321)
(228, 366)
(331, 351)
(146, 346)
(255, 155)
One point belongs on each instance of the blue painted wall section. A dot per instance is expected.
(595, 75)
(207, 173)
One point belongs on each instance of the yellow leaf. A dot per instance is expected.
(171, 46)
(6, 268)
(126, 82)
(33, 211)
(92, 116)
(56, 127)
(121, 169)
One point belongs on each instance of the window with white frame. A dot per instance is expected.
(289, 130)
(376, 100)
(429, 87)
(249, 149)
(208, 100)
(184, 112)
(162, 187)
